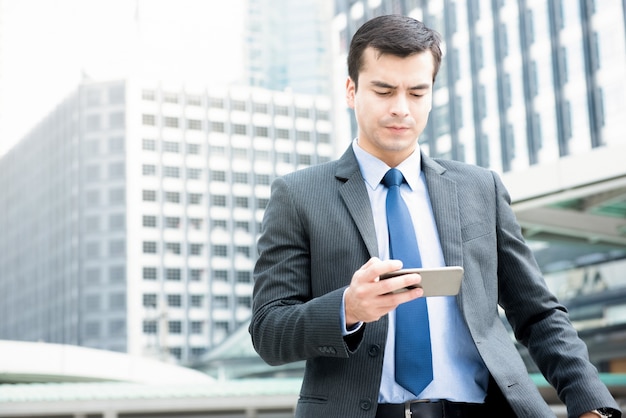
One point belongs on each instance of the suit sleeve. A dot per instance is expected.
(288, 323)
(540, 322)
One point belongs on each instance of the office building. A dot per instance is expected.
(129, 215)
(532, 90)
(288, 45)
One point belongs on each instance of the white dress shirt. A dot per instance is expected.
(459, 373)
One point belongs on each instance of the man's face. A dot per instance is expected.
(392, 103)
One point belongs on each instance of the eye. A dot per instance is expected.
(382, 93)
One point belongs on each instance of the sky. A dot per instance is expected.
(46, 47)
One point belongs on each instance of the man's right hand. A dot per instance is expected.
(368, 298)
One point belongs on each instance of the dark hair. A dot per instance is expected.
(396, 35)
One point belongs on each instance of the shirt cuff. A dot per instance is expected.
(345, 330)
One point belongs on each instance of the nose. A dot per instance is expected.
(399, 106)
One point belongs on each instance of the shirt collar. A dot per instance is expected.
(373, 170)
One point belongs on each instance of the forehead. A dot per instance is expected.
(420, 65)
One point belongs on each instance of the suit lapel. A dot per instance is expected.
(354, 195)
(445, 204)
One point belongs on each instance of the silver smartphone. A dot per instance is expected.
(439, 281)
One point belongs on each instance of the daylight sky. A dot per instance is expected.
(46, 47)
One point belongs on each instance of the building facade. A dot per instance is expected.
(288, 45)
(130, 214)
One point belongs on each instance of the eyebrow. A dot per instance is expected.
(383, 85)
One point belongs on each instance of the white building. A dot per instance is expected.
(129, 216)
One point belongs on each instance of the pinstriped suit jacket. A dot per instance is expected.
(318, 230)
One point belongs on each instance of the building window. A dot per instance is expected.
(117, 301)
(195, 249)
(148, 144)
(259, 108)
(194, 173)
(148, 170)
(196, 301)
(172, 197)
(117, 274)
(150, 327)
(170, 98)
(238, 105)
(92, 250)
(149, 221)
(149, 273)
(220, 301)
(172, 222)
(304, 159)
(170, 146)
(240, 153)
(117, 170)
(220, 275)
(169, 171)
(242, 225)
(92, 123)
(240, 129)
(303, 113)
(117, 248)
(117, 196)
(194, 198)
(220, 250)
(261, 131)
(241, 178)
(148, 95)
(282, 133)
(195, 223)
(149, 247)
(261, 203)
(244, 301)
(194, 124)
(218, 127)
(148, 120)
(116, 145)
(193, 149)
(173, 275)
(174, 301)
(172, 248)
(219, 224)
(262, 179)
(148, 195)
(92, 329)
(197, 327)
(175, 327)
(304, 136)
(216, 102)
(243, 250)
(281, 110)
(150, 300)
(116, 120)
(196, 274)
(219, 176)
(244, 276)
(241, 202)
(170, 122)
(117, 221)
(194, 100)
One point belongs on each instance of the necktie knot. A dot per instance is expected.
(393, 177)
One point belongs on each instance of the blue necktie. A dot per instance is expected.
(414, 370)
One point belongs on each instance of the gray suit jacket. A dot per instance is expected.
(318, 230)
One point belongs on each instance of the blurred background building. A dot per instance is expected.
(287, 45)
(130, 214)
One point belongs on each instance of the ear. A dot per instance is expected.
(350, 92)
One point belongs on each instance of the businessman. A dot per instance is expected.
(330, 232)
